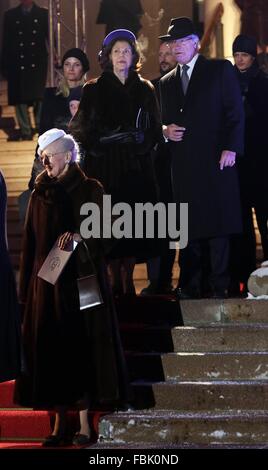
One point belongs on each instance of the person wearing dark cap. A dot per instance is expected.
(117, 125)
(55, 108)
(253, 167)
(202, 116)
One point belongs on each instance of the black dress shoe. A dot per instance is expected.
(165, 289)
(187, 294)
(151, 289)
(26, 137)
(220, 294)
(81, 439)
(54, 441)
(14, 138)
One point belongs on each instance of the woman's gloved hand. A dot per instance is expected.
(134, 136)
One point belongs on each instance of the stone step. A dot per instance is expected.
(17, 157)
(14, 228)
(166, 310)
(207, 311)
(7, 110)
(12, 201)
(14, 244)
(163, 310)
(238, 337)
(15, 260)
(7, 125)
(193, 396)
(21, 170)
(16, 185)
(20, 146)
(162, 428)
(13, 214)
(198, 366)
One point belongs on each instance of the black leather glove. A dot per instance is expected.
(128, 137)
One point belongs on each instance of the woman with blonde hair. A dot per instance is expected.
(55, 108)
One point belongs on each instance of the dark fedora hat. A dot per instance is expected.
(179, 28)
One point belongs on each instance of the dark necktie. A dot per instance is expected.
(185, 78)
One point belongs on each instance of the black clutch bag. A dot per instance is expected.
(88, 288)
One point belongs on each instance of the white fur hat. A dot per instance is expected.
(48, 137)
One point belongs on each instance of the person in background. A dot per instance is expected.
(120, 14)
(73, 358)
(117, 125)
(56, 105)
(202, 114)
(254, 20)
(159, 269)
(24, 62)
(253, 167)
(10, 357)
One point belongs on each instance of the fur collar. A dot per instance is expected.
(73, 177)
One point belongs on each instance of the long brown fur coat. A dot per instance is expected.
(67, 352)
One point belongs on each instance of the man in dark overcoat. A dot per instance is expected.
(24, 61)
(159, 269)
(202, 115)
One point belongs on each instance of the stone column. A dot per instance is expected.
(230, 20)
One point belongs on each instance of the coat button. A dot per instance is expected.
(22, 67)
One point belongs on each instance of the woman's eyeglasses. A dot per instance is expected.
(49, 156)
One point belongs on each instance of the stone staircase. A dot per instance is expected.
(15, 163)
(204, 384)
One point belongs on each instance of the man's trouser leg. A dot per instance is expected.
(23, 117)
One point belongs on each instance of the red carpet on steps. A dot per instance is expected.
(25, 428)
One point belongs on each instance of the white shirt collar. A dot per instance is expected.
(191, 65)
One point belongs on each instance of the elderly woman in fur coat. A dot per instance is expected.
(117, 125)
(69, 361)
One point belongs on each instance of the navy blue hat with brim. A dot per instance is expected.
(118, 34)
(179, 28)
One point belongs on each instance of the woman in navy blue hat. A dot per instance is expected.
(118, 124)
